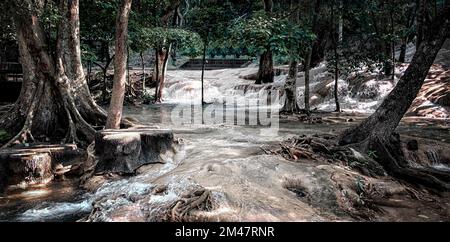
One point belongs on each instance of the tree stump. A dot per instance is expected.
(124, 151)
(21, 166)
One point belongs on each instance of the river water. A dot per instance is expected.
(226, 158)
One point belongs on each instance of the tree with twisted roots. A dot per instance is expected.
(54, 102)
(376, 133)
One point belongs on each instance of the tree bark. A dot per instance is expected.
(162, 53)
(290, 87)
(265, 70)
(402, 56)
(405, 39)
(162, 58)
(309, 55)
(54, 100)
(386, 118)
(337, 44)
(120, 64)
(392, 43)
(421, 11)
(205, 46)
(143, 72)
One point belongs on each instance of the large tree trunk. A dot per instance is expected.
(406, 38)
(290, 87)
(74, 69)
(162, 53)
(265, 70)
(376, 133)
(309, 55)
(421, 11)
(162, 59)
(120, 64)
(383, 122)
(402, 56)
(336, 45)
(54, 101)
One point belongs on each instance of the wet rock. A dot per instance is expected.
(124, 151)
(412, 145)
(433, 100)
(37, 164)
(445, 157)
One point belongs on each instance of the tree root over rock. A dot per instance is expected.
(370, 158)
(323, 148)
(197, 199)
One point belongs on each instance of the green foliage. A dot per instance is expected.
(150, 38)
(208, 21)
(372, 154)
(88, 53)
(148, 98)
(278, 34)
(4, 136)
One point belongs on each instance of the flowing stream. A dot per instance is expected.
(223, 157)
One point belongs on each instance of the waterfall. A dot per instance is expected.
(359, 93)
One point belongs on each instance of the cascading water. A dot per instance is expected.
(357, 96)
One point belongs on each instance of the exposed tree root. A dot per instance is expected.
(372, 158)
(24, 135)
(198, 199)
(391, 158)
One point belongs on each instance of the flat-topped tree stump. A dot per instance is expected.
(124, 151)
(21, 166)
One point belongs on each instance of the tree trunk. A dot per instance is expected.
(402, 56)
(73, 67)
(143, 72)
(104, 75)
(205, 46)
(129, 82)
(383, 122)
(163, 52)
(120, 64)
(376, 133)
(265, 71)
(162, 58)
(411, 16)
(268, 5)
(290, 87)
(307, 77)
(392, 44)
(54, 102)
(156, 76)
(421, 11)
(309, 55)
(337, 43)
